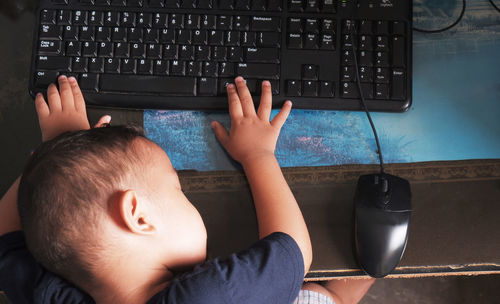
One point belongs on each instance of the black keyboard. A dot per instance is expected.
(180, 54)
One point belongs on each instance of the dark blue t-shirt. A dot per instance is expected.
(271, 271)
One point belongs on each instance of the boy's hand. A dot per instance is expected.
(251, 135)
(66, 109)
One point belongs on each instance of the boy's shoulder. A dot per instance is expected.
(270, 271)
(25, 281)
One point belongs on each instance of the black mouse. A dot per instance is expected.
(382, 209)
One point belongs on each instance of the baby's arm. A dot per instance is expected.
(64, 112)
(251, 141)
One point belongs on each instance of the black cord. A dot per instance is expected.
(358, 81)
(494, 5)
(449, 26)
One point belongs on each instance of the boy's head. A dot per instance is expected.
(90, 199)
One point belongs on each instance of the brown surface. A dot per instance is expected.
(454, 227)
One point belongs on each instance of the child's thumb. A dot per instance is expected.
(220, 132)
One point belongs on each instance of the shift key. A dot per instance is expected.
(258, 70)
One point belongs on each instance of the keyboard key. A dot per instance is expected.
(226, 4)
(112, 65)
(148, 84)
(365, 58)
(105, 49)
(348, 74)
(258, 70)
(73, 48)
(398, 28)
(382, 27)
(328, 25)
(382, 59)
(80, 64)
(49, 47)
(242, 4)
(172, 3)
(128, 19)
(293, 88)
(151, 35)
(87, 33)
(205, 4)
(312, 6)
(261, 24)
(54, 63)
(309, 88)
(294, 41)
(295, 25)
(138, 50)
(63, 17)
(262, 55)
(122, 50)
(145, 67)
(326, 89)
(398, 51)
(258, 5)
(327, 42)
(349, 90)
(44, 78)
(381, 75)
(89, 82)
(327, 6)
(309, 72)
(89, 49)
(235, 54)
(144, 20)
(160, 67)
(210, 69)
(366, 74)
(249, 39)
(295, 5)
(177, 68)
(272, 39)
(311, 41)
(193, 68)
(398, 81)
(128, 66)
(365, 27)
(80, 18)
(207, 86)
(311, 25)
(112, 19)
(51, 32)
(96, 18)
(96, 65)
(381, 91)
(70, 32)
(226, 69)
(48, 17)
(274, 5)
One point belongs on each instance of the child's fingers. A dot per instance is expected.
(220, 133)
(281, 117)
(266, 101)
(77, 94)
(66, 94)
(54, 99)
(234, 102)
(245, 97)
(106, 119)
(42, 109)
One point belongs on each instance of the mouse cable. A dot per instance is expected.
(358, 82)
(449, 26)
(494, 5)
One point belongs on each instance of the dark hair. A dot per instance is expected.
(64, 190)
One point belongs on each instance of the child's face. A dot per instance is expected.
(180, 225)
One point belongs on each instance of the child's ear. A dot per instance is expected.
(133, 214)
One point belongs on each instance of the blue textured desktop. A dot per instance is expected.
(455, 113)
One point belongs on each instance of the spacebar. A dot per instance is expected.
(148, 84)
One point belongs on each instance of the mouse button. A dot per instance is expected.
(400, 199)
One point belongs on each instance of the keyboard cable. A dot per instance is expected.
(451, 25)
(494, 5)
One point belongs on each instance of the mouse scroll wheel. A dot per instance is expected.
(384, 185)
